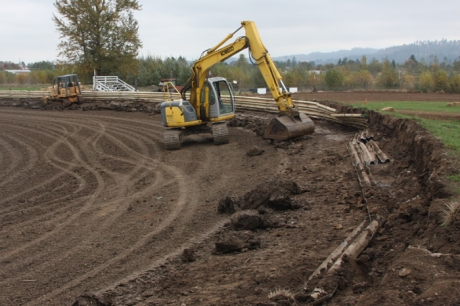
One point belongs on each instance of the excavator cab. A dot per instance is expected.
(208, 114)
(216, 105)
(217, 99)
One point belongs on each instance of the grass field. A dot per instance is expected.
(410, 105)
(24, 87)
(446, 129)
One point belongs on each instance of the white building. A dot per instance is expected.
(18, 71)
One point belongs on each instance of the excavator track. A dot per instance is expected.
(220, 133)
(172, 139)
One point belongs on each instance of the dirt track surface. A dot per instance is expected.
(92, 208)
(90, 198)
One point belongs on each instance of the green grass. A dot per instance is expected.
(447, 130)
(410, 105)
(24, 87)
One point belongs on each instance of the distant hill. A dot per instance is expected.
(426, 50)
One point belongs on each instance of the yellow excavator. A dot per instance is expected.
(211, 100)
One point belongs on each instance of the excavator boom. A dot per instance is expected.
(290, 123)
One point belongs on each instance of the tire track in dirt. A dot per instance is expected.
(54, 160)
(54, 157)
(150, 249)
(124, 254)
(81, 182)
(141, 172)
(180, 205)
(12, 159)
(43, 182)
(9, 213)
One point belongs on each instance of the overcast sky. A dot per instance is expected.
(186, 28)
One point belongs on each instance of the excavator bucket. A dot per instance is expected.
(286, 127)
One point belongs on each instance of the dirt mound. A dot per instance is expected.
(256, 123)
(275, 193)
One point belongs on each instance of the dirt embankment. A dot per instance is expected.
(95, 211)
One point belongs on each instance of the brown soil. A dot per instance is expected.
(93, 211)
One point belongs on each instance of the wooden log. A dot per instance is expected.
(367, 155)
(354, 154)
(338, 251)
(352, 252)
(347, 115)
(355, 139)
(363, 178)
(363, 136)
(361, 242)
(372, 153)
(380, 154)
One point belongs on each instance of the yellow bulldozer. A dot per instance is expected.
(66, 90)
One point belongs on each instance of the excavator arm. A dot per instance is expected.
(200, 70)
(268, 69)
(252, 40)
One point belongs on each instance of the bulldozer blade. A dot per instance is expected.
(286, 127)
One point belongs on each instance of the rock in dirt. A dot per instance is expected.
(87, 300)
(188, 255)
(247, 220)
(404, 272)
(254, 151)
(274, 193)
(227, 205)
(236, 242)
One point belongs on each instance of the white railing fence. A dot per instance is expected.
(111, 83)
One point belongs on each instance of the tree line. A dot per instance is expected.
(306, 76)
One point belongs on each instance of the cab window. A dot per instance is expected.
(211, 99)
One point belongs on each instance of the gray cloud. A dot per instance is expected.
(186, 28)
